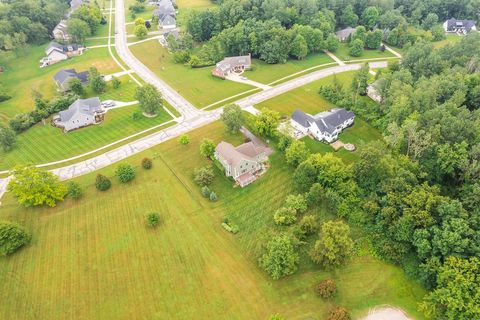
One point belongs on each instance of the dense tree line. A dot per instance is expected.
(24, 22)
(419, 200)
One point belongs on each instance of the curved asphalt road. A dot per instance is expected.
(192, 118)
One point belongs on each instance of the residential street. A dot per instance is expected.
(186, 109)
(192, 118)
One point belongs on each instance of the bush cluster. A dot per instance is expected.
(153, 219)
(102, 183)
(339, 313)
(326, 288)
(147, 163)
(125, 173)
(12, 237)
(203, 176)
(74, 190)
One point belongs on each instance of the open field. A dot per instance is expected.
(94, 258)
(196, 85)
(266, 73)
(310, 101)
(22, 75)
(342, 53)
(45, 143)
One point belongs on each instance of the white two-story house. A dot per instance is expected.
(324, 126)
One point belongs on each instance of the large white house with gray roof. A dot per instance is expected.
(324, 126)
(63, 77)
(81, 113)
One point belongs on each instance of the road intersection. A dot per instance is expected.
(191, 117)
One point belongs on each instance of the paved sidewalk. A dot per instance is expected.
(392, 51)
(335, 58)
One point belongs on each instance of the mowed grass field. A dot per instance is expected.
(266, 73)
(343, 54)
(95, 259)
(23, 74)
(45, 143)
(197, 85)
(310, 101)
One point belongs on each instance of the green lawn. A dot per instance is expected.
(95, 259)
(126, 91)
(267, 73)
(451, 39)
(23, 74)
(343, 54)
(196, 85)
(45, 143)
(147, 14)
(310, 101)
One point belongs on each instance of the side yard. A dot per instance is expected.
(82, 251)
(310, 101)
(196, 85)
(22, 75)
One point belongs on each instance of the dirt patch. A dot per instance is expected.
(339, 144)
(386, 313)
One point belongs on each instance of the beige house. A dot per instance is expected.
(56, 52)
(243, 163)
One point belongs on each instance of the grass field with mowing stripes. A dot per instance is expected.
(95, 259)
(45, 143)
(197, 85)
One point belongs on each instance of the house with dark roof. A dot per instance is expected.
(344, 34)
(459, 26)
(324, 126)
(63, 77)
(81, 113)
(165, 14)
(232, 64)
(56, 52)
(244, 163)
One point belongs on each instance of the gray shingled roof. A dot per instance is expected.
(167, 20)
(63, 76)
(86, 106)
(233, 155)
(232, 62)
(452, 24)
(345, 33)
(326, 121)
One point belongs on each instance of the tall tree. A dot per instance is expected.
(232, 118)
(7, 138)
(266, 122)
(34, 187)
(78, 30)
(150, 99)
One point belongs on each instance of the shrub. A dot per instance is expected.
(153, 219)
(285, 216)
(280, 257)
(339, 313)
(136, 115)
(296, 202)
(116, 83)
(203, 176)
(102, 183)
(74, 190)
(125, 172)
(326, 288)
(205, 192)
(213, 196)
(147, 163)
(207, 148)
(12, 237)
(309, 224)
(184, 139)
(284, 141)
